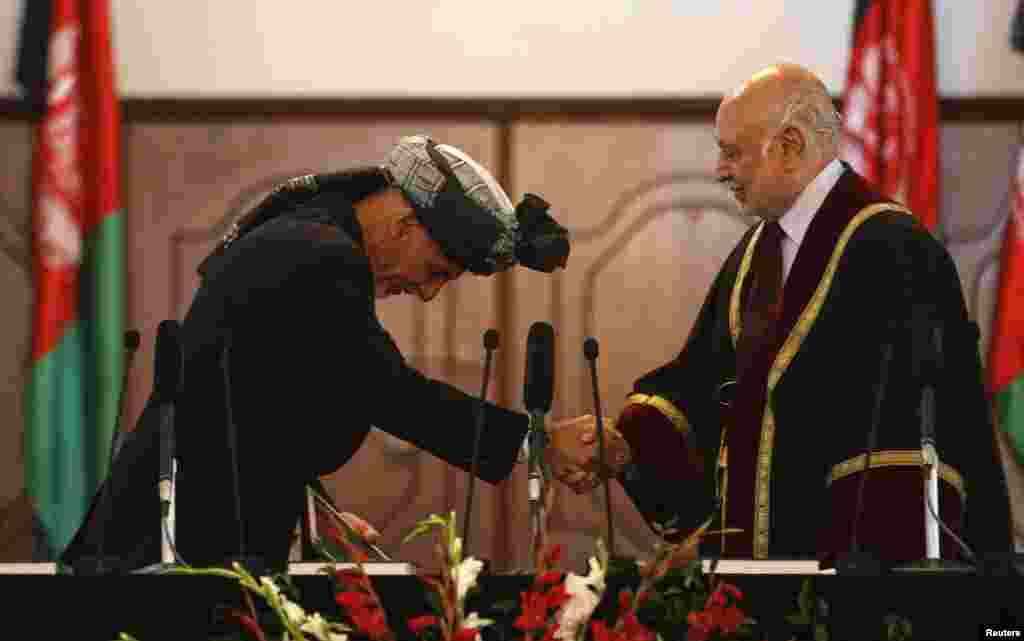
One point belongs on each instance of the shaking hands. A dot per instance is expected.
(574, 456)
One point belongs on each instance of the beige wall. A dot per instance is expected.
(499, 49)
(650, 230)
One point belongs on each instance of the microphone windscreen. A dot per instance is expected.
(590, 348)
(132, 339)
(167, 362)
(491, 339)
(538, 387)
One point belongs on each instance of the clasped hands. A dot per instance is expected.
(574, 456)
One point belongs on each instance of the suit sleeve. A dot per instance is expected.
(362, 374)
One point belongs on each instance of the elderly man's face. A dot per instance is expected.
(413, 263)
(756, 178)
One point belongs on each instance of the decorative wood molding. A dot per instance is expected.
(996, 108)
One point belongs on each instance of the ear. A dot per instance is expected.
(794, 146)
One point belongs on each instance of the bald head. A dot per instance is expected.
(777, 131)
(785, 95)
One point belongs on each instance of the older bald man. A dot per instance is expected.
(763, 417)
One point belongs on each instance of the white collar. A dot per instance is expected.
(798, 218)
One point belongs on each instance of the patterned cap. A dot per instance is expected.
(467, 212)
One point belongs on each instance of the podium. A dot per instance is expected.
(184, 607)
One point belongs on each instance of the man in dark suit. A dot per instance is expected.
(763, 417)
(283, 342)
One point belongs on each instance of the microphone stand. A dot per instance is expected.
(490, 344)
(590, 352)
(255, 565)
(857, 562)
(537, 480)
(933, 562)
(101, 564)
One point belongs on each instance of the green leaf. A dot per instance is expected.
(821, 632)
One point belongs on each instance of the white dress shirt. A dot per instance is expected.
(798, 218)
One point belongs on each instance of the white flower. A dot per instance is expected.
(293, 611)
(455, 552)
(320, 628)
(584, 595)
(464, 575)
(270, 586)
(474, 622)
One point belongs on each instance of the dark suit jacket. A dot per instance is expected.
(311, 369)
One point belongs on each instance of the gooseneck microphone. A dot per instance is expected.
(857, 562)
(538, 390)
(490, 344)
(590, 351)
(167, 384)
(232, 444)
(102, 564)
(928, 365)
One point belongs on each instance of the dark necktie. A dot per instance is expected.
(763, 303)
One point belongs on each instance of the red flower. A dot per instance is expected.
(732, 589)
(249, 624)
(370, 622)
(730, 619)
(633, 630)
(556, 596)
(350, 578)
(549, 633)
(534, 612)
(551, 577)
(354, 600)
(700, 626)
(625, 600)
(552, 555)
(466, 634)
(418, 624)
(601, 632)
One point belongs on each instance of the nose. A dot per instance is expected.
(723, 169)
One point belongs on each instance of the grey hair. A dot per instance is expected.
(813, 112)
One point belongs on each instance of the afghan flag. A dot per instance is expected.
(890, 107)
(66, 70)
(1006, 357)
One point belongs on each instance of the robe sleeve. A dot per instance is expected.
(964, 434)
(920, 294)
(672, 419)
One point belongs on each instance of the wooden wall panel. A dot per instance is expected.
(650, 229)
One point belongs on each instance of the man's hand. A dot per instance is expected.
(573, 452)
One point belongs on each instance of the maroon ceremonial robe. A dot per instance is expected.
(794, 455)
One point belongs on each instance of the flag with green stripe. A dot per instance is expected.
(78, 252)
(1006, 357)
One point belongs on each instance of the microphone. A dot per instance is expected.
(590, 351)
(538, 389)
(232, 445)
(857, 562)
(490, 344)
(102, 564)
(928, 363)
(167, 383)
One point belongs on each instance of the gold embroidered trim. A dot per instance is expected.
(762, 491)
(735, 322)
(897, 458)
(666, 407)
